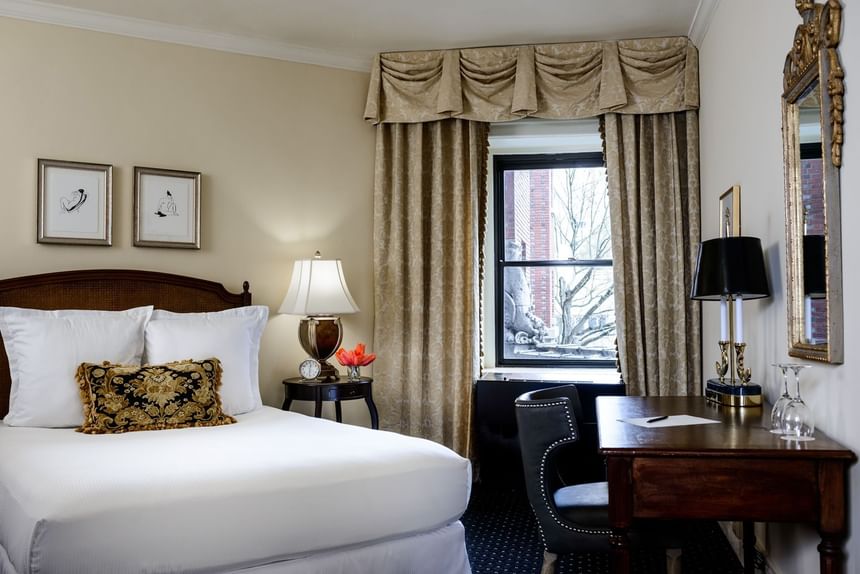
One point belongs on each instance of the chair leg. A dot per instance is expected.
(548, 566)
(673, 561)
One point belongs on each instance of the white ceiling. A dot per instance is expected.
(347, 33)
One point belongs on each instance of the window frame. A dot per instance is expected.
(512, 162)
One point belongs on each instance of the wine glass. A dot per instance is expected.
(778, 409)
(797, 421)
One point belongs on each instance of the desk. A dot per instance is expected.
(736, 470)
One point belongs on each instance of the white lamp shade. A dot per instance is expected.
(318, 287)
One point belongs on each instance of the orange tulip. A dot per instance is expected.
(355, 358)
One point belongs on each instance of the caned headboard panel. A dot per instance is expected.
(111, 290)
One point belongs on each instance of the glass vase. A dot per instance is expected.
(353, 372)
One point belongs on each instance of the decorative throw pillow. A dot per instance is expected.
(232, 335)
(45, 349)
(119, 398)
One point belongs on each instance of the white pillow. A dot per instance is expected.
(231, 336)
(45, 349)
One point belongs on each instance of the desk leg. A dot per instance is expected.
(618, 474)
(832, 519)
(338, 414)
(749, 547)
(832, 558)
(286, 405)
(620, 551)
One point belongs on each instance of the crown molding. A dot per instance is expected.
(161, 32)
(702, 20)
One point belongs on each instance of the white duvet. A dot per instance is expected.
(275, 485)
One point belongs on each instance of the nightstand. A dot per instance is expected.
(299, 389)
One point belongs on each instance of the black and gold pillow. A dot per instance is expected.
(120, 399)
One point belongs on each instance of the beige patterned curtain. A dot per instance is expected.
(652, 163)
(429, 202)
(429, 209)
(558, 81)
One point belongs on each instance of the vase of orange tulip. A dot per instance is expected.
(354, 360)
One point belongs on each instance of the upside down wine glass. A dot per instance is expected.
(797, 421)
(778, 410)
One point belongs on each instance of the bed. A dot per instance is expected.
(275, 492)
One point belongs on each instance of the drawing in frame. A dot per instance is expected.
(166, 208)
(74, 202)
(730, 212)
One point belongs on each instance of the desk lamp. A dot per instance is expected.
(731, 268)
(318, 290)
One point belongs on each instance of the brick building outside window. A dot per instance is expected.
(554, 291)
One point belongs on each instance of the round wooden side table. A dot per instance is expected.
(342, 389)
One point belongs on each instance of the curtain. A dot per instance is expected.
(429, 207)
(431, 110)
(557, 81)
(652, 164)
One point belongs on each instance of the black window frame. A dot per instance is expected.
(510, 162)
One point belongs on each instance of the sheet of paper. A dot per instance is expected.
(672, 421)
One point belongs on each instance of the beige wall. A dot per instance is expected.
(285, 155)
(741, 63)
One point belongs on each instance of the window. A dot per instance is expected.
(553, 287)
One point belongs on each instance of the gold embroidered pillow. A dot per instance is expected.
(181, 394)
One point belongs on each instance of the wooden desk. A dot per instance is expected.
(736, 470)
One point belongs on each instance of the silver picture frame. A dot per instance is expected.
(74, 202)
(166, 208)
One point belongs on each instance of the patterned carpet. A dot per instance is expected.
(502, 538)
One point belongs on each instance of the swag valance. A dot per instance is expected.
(558, 81)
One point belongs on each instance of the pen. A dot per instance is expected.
(655, 419)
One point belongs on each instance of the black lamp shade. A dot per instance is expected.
(729, 266)
(814, 278)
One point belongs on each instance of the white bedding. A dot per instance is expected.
(274, 486)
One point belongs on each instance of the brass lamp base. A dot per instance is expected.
(320, 338)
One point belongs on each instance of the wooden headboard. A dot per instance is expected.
(111, 290)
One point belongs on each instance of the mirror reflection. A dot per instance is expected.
(812, 200)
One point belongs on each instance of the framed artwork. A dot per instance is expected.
(74, 202)
(730, 212)
(166, 208)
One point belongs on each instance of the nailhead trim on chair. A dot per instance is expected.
(571, 438)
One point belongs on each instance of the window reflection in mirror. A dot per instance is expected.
(812, 190)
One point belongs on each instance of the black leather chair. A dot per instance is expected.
(571, 518)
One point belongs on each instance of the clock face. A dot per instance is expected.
(309, 369)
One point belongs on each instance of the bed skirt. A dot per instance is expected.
(441, 550)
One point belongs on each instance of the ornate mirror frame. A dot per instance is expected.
(813, 64)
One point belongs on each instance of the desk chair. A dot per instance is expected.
(571, 518)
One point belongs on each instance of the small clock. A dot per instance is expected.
(310, 369)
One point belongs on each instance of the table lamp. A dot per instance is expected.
(318, 290)
(731, 268)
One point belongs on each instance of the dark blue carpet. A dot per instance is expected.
(502, 538)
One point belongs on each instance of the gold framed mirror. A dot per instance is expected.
(812, 107)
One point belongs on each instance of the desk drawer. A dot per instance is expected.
(725, 489)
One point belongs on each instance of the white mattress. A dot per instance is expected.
(276, 485)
